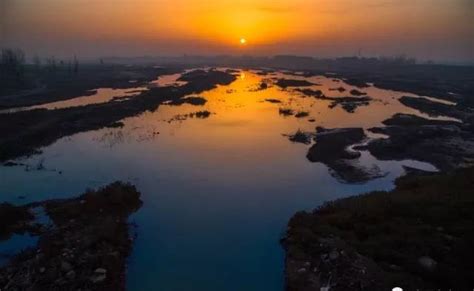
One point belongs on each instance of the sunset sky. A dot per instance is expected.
(427, 29)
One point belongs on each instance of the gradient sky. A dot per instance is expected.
(427, 29)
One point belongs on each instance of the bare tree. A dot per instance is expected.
(75, 65)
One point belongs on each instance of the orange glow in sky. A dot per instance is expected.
(436, 28)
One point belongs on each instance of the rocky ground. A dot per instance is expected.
(85, 248)
(418, 236)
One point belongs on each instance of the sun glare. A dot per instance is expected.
(243, 41)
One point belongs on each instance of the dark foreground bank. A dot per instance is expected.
(418, 236)
(84, 248)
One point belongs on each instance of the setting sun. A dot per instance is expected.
(310, 130)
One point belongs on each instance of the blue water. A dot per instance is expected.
(15, 244)
(217, 193)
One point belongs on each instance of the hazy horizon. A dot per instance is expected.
(436, 30)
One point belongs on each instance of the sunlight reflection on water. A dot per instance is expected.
(217, 191)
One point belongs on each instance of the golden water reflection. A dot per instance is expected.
(242, 112)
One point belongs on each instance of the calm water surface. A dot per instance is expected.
(217, 192)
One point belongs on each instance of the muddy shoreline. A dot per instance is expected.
(23, 133)
(453, 83)
(331, 149)
(446, 144)
(62, 85)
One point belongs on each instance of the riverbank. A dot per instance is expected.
(44, 86)
(82, 245)
(417, 236)
(23, 133)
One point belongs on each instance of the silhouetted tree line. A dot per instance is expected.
(13, 68)
(52, 65)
